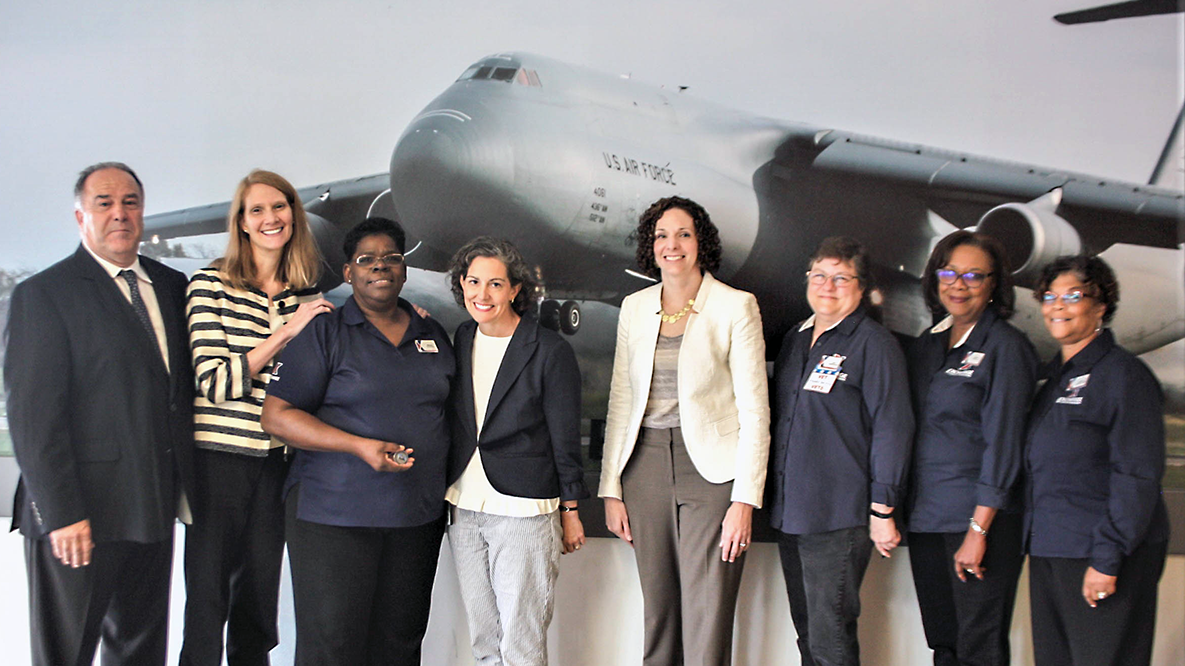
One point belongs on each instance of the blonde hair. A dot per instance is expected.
(300, 263)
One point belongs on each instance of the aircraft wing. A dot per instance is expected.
(1119, 10)
(332, 208)
(961, 188)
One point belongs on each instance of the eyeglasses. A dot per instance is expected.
(971, 278)
(368, 260)
(1069, 298)
(839, 279)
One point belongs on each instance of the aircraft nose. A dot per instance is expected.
(445, 169)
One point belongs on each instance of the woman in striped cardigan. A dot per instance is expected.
(242, 310)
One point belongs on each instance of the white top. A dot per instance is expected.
(473, 490)
(147, 294)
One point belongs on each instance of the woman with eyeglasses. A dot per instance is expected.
(842, 433)
(362, 393)
(687, 436)
(243, 309)
(972, 378)
(1095, 522)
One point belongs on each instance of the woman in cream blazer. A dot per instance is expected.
(687, 436)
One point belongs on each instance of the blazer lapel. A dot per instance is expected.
(463, 349)
(113, 301)
(522, 348)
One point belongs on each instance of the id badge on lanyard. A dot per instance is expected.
(823, 377)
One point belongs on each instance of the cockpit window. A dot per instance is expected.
(515, 75)
(503, 74)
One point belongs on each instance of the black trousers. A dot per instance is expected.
(361, 594)
(121, 597)
(233, 555)
(1068, 632)
(967, 623)
(823, 575)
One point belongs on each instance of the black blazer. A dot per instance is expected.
(100, 429)
(530, 442)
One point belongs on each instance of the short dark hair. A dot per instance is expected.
(707, 237)
(1003, 297)
(1097, 277)
(80, 184)
(369, 227)
(844, 248)
(495, 248)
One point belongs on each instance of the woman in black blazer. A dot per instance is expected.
(515, 472)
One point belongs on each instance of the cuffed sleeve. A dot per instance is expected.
(886, 395)
(561, 407)
(1007, 399)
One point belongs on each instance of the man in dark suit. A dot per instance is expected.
(100, 394)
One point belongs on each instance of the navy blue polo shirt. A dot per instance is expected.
(342, 370)
(1095, 458)
(970, 404)
(837, 451)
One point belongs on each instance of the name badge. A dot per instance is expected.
(967, 368)
(427, 347)
(823, 377)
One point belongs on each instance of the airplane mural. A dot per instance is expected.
(562, 159)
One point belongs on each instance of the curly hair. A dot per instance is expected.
(707, 237)
(374, 226)
(504, 251)
(300, 263)
(1003, 297)
(1097, 278)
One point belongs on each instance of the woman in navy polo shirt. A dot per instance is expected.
(362, 391)
(972, 377)
(1095, 521)
(842, 433)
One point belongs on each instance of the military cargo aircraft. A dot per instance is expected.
(562, 160)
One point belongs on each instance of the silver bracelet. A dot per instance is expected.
(977, 528)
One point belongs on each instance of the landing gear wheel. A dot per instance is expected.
(570, 317)
(549, 314)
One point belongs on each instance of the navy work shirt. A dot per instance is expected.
(342, 370)
(836, 452)
(1095, 458)
(970, 404)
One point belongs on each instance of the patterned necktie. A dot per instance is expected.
(138, 302)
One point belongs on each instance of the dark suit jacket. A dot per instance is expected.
(100, 429)
(530, 442)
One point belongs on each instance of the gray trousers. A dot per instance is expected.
(689, 595)
(507, 567)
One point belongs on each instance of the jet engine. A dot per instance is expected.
(329, 238)
(1032, 234)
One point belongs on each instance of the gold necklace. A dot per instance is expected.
(672, 318)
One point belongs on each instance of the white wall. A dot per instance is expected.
(598, 619)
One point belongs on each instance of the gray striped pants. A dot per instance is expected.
(507, 567)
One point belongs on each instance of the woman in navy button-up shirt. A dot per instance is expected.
(1095, 521)
(362, 393)
(972, 377)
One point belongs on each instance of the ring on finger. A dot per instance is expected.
(1102, 595)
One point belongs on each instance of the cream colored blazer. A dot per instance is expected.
(723, 393)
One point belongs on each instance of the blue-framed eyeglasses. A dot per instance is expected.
(970, 278)
(1068, 298)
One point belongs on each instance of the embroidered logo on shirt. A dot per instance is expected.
(426, 347)
(276, 372)
(1075, 385)
(970, 361)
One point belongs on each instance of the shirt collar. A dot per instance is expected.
(113, 270)
(352, 315)
(1091, 353)
(982, 325)
(845, 325)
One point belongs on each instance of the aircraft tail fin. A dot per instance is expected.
(1170, 169)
